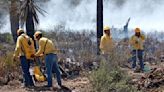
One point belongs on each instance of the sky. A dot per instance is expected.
(146, 14)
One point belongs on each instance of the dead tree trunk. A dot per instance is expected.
(14, 18)
(99, 23)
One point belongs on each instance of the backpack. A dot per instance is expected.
(38, 74)
(28, 46)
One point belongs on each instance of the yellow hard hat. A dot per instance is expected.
(137, 30)
(106, 28)
(37, 33)
(19, 31)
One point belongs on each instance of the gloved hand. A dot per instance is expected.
(41, 55)
(14, 58)
(32, 56)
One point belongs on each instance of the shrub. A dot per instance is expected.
(7, 65)
(106, 80)
(109, 77)
(6, 38)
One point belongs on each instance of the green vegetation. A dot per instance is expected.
(109, 77)
(7, 65)
(6, 38)
(105, 80)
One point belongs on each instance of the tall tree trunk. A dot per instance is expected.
(99, 23)
(30, 24)
(14, 18)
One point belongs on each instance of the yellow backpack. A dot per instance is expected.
(28, 46)
(38, 74)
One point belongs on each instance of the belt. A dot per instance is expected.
(50, 53)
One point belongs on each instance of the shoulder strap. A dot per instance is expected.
(45, 46)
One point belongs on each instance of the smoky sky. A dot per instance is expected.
(146, 14)
(73, 14)
(81, 14)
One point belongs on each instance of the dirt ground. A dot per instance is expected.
(137, 76)
(78, 84)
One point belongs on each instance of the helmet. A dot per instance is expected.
(19, 31)
(37, 33)
(106, 28)
(137, 30)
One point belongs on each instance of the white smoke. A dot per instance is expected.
(6, 24)
(60, 12)
(146, 14)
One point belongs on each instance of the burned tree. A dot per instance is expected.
(126, 29)
(99, 22)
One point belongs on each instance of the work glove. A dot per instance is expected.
(15, 58)
(41, 55)
(32, 56)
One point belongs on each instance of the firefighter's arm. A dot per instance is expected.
(17, 49)
(102, 43)
(131, 41)
(41, 48)
(143, 37)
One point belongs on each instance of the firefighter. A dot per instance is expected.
(137, 44)
(47, 48)
(106, 43)
(23, 50)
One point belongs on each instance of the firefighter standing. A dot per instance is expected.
(106, 43)
(137, 43)
(47, 48)
(23, 50)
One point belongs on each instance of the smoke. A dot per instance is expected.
(81, 14)
(4, 20)
(6, 24)
(146, 14)
(73, 14)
